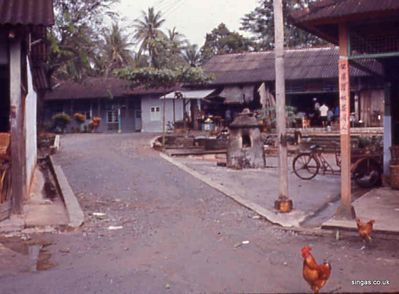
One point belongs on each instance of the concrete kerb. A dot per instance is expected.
(56, 145)
(74, 210)
(291, 220)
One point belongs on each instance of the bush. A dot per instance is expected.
(95, 122)
(79, 117)
(61, 120)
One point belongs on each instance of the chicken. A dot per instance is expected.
(315, 274)
(365, 229)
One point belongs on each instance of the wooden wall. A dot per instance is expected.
(371, 105)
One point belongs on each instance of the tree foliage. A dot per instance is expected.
(163, 77)
(114, 52)
(260, 23)
(222, 41)
(74, 38)
(192, 55)
(147, 31)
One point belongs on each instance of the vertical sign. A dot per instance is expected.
(344, 95)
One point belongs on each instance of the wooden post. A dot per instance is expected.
(18, 183)
(345, 211)
(280, 104)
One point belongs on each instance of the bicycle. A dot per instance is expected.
(307, 164)
(365, 169)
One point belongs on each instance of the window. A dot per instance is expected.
(112, 116)
(112, 120)
(155, 114)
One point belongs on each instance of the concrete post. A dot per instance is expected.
(280, 98)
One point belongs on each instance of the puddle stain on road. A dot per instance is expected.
(35, 250)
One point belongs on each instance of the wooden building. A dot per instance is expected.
(367, 34)
(23, 53)
(310, 73)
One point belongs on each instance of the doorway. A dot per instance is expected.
(4, 99)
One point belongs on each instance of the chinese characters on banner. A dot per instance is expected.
(344, 95)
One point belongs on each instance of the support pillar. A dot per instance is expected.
(18, 183)
(119, 119)
(345, 211)
(283, 203)
(387, 128)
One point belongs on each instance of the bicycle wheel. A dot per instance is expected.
(367, 173)
(305, 166)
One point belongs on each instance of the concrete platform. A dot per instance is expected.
(257, 189)
(380, 204)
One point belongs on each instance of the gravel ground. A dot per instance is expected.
(179, 235)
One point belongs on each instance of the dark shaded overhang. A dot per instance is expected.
(323, 17)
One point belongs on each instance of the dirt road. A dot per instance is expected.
(173, 234)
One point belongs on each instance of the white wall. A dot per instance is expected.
(149, 125)
(30, 129)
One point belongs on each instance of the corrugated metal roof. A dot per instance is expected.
(100, 88)
(189, 94)
(26, 12)
(328, 9)
(303, 64)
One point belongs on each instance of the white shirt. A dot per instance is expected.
(323, 110)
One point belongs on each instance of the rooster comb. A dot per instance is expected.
(306, 249)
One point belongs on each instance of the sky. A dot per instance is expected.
(192, 18)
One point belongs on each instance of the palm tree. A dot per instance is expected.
(148, 33)
(116, 49)
(192, 55)
(176, 41)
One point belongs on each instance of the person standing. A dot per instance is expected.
(323, 114)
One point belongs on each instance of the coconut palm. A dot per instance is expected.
(148, 33)
(176, 41)
(192, 55)
(116, 49)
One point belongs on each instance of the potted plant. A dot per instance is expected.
(61, 120)
(94, 124)
(80, 118)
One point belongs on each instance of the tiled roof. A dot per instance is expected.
(301, 64)
(100, 88)
(26, 12)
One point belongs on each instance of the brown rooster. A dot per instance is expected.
(315, 274)
(365, 229)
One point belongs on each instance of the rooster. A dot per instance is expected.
(315, 274)
(365, 229)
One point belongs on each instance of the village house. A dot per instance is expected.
(238, 82)
(311, 77)
(121, 107)
(23, 53)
